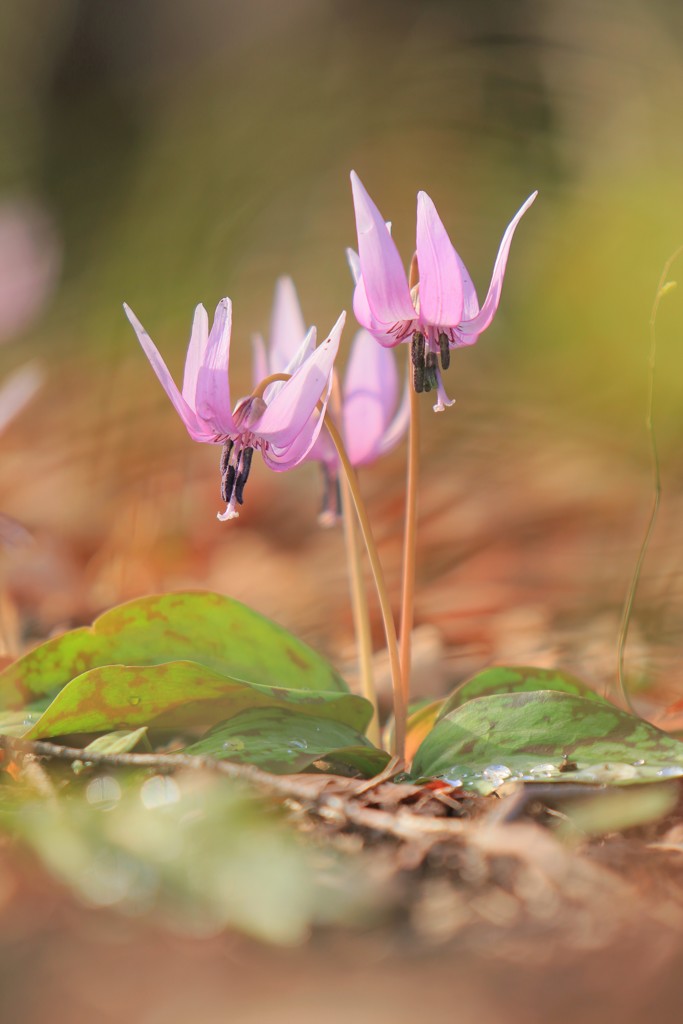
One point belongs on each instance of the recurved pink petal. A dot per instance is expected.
(353, 260)
(323, 450)
(286, 415)
(290, 455)
(470, 307)
(363, 314)
(194, 428)
(213, 389)
(287, 327)
(386, 284)
(487, 312)
(370, 391)
(441, 288)
(195, 354)
(306, 348)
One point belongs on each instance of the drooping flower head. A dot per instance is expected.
(366, 407)
(441, 312)
(282, 426)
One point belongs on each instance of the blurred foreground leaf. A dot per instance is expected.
(202, 853)
(221, 634)
(282, 741)
(545, 735)
(613, 810)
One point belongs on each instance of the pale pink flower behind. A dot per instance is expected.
(281, 426)
(30, 258)
(442, 312)
(372, 421)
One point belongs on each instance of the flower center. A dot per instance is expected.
(424, 353)
(248, 412)
(235, 465)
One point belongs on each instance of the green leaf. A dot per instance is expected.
(283, 741)
(516, 679)
(537, 736)
(214, 631)
(120, 742)
(178, 695)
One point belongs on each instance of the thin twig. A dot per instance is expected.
(300, 787)
(662, 288)
(329, 797)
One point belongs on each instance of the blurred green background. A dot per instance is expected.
(183, 151)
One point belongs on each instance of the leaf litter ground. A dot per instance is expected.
(531, 888)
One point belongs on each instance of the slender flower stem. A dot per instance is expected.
(410, 541)
(359, 607)
(400, 707)
(260, 388)
(359, 599)
(360, 613)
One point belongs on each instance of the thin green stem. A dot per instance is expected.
(410, 540)
(663, 288)
(359, 608)
(380, 584)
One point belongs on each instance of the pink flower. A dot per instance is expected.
(282, 426)
(442, 312)
(370, 417)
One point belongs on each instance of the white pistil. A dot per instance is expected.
(230, 512)
(442, 398)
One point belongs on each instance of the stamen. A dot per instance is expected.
(417, 355)
(244, 467)
(226, 452)
(228, 483)
(445, 350)
(331, 508)
(431, 381)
